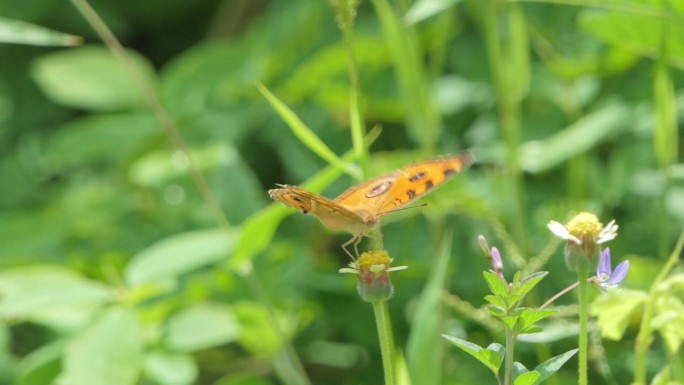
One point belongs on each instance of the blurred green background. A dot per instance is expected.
(115, 271)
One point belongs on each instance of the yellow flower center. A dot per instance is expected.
(373, 258)
(585, 226)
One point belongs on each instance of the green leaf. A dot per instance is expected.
(552, 365)
(492, 357)
(178, 254)
(19, 32)
(50, 294)
(110, 138)
(424, 360)
(529, 282)
(259, 336)
(527, 378)
(108, 352)
(669, 321)
(665, 137)
(306, 135)
(518, 369)
(424, 9)
(531, 316)
(584, 134)
(638, 33)
(614, 310)
(496, 301)
(200, 327)
(170, 368)
(42, 365)
(496, 311)
(91, 78)
(552, 332)
(497, 285)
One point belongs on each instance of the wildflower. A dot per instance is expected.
(584, 233)
(373, 268)
(605, 275)
(492, 254)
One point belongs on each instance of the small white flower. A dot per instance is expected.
(562, 232)
(584, 227)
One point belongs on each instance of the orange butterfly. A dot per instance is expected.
(359, 208)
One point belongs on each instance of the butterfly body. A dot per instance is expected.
(360, 207)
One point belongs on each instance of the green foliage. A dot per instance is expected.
(491, 357)
(114, 271)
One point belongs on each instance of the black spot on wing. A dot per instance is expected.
(448, 171)
(379, 189)
(411, 194)
(417, 176)
(428, 184)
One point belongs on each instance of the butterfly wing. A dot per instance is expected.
(330, 213)
(417, 180)
(365, 198)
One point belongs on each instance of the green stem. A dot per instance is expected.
(346, 10)
(509, 92)
(510, 348)
(583, 321)
(644, 338)
(384, 324)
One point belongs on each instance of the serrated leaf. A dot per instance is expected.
(614, 309)
(200, 327)
(178, 254)
(531, 316)
(497, 285)
(108, 352)
(529, 282)
(552, 365)
(530, 329)
(511, 322)
(496, 301)
(492, 357)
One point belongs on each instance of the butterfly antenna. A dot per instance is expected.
(406, 208)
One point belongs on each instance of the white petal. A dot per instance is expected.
(558, 229)
(348, 270)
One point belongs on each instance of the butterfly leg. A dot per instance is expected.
(355, 240)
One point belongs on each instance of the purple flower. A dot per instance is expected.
(608, 278)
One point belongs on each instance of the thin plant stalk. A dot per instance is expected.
(346, 11)
(583, 321)
(643, 338)
(155, 105)
(386, 338)
(510, 75)
(510, 349)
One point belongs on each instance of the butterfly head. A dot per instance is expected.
(290, 198)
